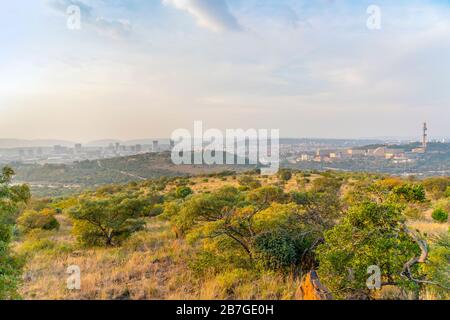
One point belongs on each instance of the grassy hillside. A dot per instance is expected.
(182, 251)
(60, 179)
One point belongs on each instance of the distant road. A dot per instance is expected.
(99, 163)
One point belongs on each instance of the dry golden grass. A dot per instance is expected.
(148, 266)
(428, 225)
(153, 264)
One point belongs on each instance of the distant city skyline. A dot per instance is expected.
(142, 69)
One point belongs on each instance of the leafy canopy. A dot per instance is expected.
(108, 221)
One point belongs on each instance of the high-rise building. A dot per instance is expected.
(57, 149)
(155, 145)
(78, 148)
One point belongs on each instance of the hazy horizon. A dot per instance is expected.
(146, 68)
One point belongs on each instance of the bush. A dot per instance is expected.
(276, 250)
(264, 196)
(300, 198)
(413, 213)
(440, 215)
(249, 182)
(285, 174)
(410, 192)
(326, 185)
(182, 192)
(436, 186)
(44, 220)
(437, 267)
(10, 272)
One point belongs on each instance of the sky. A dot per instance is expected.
(144, 68)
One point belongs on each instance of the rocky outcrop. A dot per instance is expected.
(311, 289)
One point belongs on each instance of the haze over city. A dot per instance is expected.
(141, 69)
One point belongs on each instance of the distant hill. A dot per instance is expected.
(341, 142)
(107, 142)
(108, 171)
(431, 147)
(20, 143)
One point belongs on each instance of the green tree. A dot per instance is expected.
(10, 199)
(264, 196)
(108, 221)
(370, 234)
(31, 219)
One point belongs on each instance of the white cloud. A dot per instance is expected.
(214, 15)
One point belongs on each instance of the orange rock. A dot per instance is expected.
(312, 289)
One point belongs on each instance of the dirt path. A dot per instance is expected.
(99, 163)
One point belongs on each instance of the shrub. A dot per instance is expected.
(413, 213)
(284, 174)
(300, 198)
(32, 219)
(276, 250)
(440, 215)
(409, 193)
(157, 210)
(264, 196)
(326, 185)
(207, 263)
(10, 271)
(182, 192)
(436, 186)
(437, 267)
(249, 182)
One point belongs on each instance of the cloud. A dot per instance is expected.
(214, 15)
(107, 27)
(113, 28)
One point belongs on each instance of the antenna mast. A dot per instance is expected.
(424, 137)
